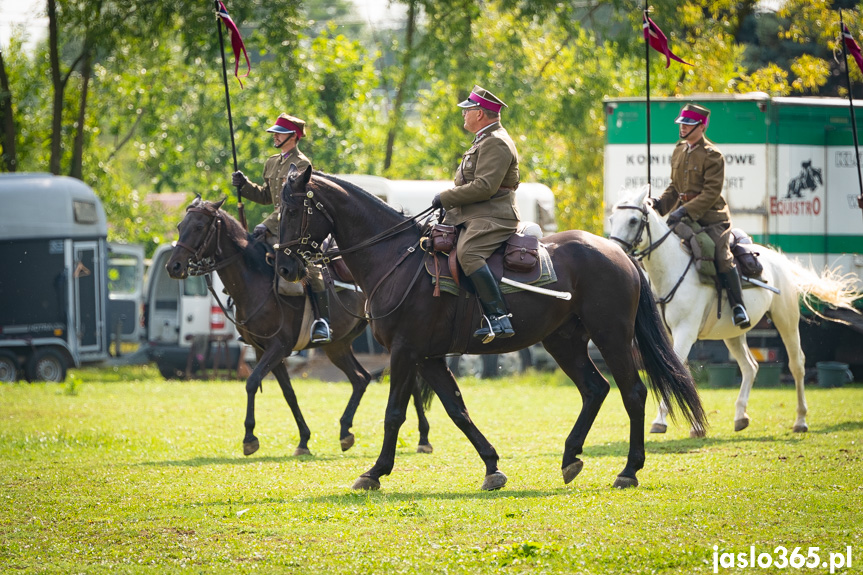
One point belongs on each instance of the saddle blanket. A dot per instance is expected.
(544, 275)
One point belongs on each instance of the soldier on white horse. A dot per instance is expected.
(697, 177)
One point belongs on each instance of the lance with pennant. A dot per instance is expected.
(850, 45)
(222, 17)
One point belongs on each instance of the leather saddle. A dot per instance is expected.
(522, 258)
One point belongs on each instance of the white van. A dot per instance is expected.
(181, 313)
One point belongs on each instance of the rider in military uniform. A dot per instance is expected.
(482, 204)
(287, 132)
(697, 177)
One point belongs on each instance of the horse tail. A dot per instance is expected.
(830, 286)
(426, 392)
(668, 377)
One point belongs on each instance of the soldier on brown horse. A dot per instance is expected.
(609, 301)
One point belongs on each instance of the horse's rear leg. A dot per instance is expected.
(267, 360)
(787, 324)
(615, 345)
(342, 356)
(749, 369)
(423, 423)
(570, 352)
(281, 373)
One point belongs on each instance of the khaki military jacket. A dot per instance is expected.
(275, 174)
(485, 181)
(697, 177)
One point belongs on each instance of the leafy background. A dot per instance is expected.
(128, 95)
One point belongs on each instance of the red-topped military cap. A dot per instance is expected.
(693, 114)
(286, 124)
(482, 98)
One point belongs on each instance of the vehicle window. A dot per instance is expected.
(122, 275)
(194, 285)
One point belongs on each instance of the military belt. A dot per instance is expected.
(501, 192)
(688, 196)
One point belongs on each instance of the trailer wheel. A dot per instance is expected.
(46, 365)
(170, 371)
(9, 368)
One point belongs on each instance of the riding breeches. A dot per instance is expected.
(478, 238)
(720, 234)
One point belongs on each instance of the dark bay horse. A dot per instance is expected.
(271, 323)
(611, 304)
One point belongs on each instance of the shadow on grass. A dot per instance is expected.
(842, 426)
(254, 459)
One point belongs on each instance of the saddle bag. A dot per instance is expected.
(443, 238)
(700, 245)
(521, 253)
(747, 260)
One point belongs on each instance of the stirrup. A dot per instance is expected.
(741, 322)
(487, 337)
(320, 338)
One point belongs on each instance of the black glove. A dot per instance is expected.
(260, 231)
(238, 179)
(436, 203)
(675, 216)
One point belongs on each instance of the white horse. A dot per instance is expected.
(690, 306)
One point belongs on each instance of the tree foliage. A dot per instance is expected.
(142, 109)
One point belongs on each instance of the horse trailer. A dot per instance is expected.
(53, 283)
(791, 182)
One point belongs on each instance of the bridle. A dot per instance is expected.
(202, 265)
(630, 247)
(651, 246)
(199, 263)
(310, 257)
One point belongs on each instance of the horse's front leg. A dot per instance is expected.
(435, 372)
(281, 372)
(684, 338)
(402, 376)
(748, 369)
(267, 360)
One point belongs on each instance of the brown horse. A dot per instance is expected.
(213, 240)
(610, 303)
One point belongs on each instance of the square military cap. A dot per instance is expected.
(286, 124)
(693, 114)
(482, 98)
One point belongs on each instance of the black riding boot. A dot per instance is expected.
(731, 279)
(321, 332)
(496, 321)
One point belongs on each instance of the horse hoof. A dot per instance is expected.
(494, 481)
(658, 428)
(250, 447)
(366, 484)
(623, 482)
(301, 451)
(572, 470)
(741, 424)
(697, 433)
(347, 441)
(425, 448)
(801, 428)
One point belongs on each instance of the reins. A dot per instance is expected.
(201, 265)
(325, 257)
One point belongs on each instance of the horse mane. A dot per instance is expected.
(254, 252)
(355, 189)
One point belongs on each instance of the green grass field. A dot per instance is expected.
(123, 472)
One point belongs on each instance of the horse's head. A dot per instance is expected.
(630, 218)
(198, 237)
(303, 225)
